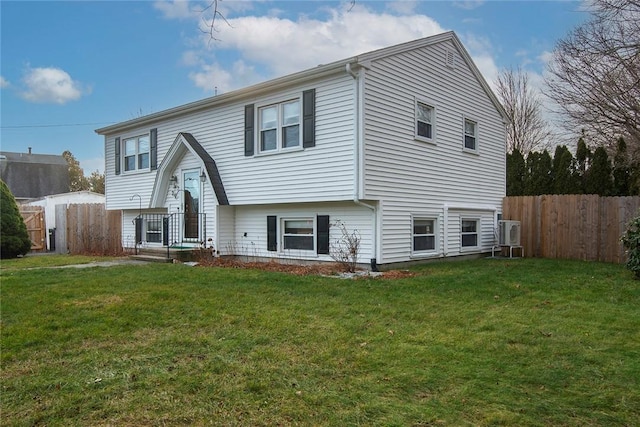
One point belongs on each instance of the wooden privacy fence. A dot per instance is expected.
(89, 229)
(585, 227)
(33, 217)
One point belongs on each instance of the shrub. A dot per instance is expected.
(631, 242)
(346, 249)
(14, 239)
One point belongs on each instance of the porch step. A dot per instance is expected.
(150, 258)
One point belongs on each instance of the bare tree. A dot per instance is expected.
(527, 130)
(595, 73)
(211, 14)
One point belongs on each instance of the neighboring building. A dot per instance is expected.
(49, 204)
(406, 144)
(30, 176)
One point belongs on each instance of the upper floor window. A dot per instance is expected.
(279, 126)
(425, 121)
(470, 135)
(136, 153)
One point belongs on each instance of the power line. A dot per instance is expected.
(55, 125)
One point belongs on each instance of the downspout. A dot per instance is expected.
(358, 155)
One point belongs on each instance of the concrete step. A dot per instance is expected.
(151, 258)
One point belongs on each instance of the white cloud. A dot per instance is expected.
(270, 41)
(3, 82)
(178, 9)
(545, 57)
(215, 78)
(51, 85)
(481, 52)
(468, 4)
(403, 7)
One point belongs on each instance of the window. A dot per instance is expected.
(424, 238)
(279, 126)
(469, 233)
(154, 230)
(136, 153)
(298, 234)
(470, 135)
(425, 119)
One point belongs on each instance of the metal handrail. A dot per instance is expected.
(170, 229)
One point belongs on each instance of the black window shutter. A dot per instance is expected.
(153, 143)
(248, 130)
(272, 234)
(309, 118)
(323, 234)
(117, 150)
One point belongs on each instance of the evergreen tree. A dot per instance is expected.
(598, 179)
(583, 156)
(96, 182)
(14, 239)
(516, 173)
(539, 180)
(621, 170)
(77, 180)
(564, 177)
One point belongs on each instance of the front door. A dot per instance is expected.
(191, 205)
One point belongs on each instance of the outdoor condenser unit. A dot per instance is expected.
(509, 232)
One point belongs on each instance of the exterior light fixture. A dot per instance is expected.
(203, 177)
(173, 182)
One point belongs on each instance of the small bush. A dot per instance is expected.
(14, 238)
(631, 242)
(346, 249)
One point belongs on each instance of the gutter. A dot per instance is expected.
(358, 154)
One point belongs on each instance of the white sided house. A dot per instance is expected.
(405, 144)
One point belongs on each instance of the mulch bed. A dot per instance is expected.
(324, 269)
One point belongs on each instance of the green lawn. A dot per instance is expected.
(487, 342)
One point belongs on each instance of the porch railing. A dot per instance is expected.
(171, 230)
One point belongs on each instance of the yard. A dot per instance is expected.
(487, 342)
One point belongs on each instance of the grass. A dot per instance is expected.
(489, 342)
(47, 260)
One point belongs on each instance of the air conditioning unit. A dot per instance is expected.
(509, 233)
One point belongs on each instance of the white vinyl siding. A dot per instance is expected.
(249, 236)
(412, 177)
(321, 173)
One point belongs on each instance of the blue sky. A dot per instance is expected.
(68, 68)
